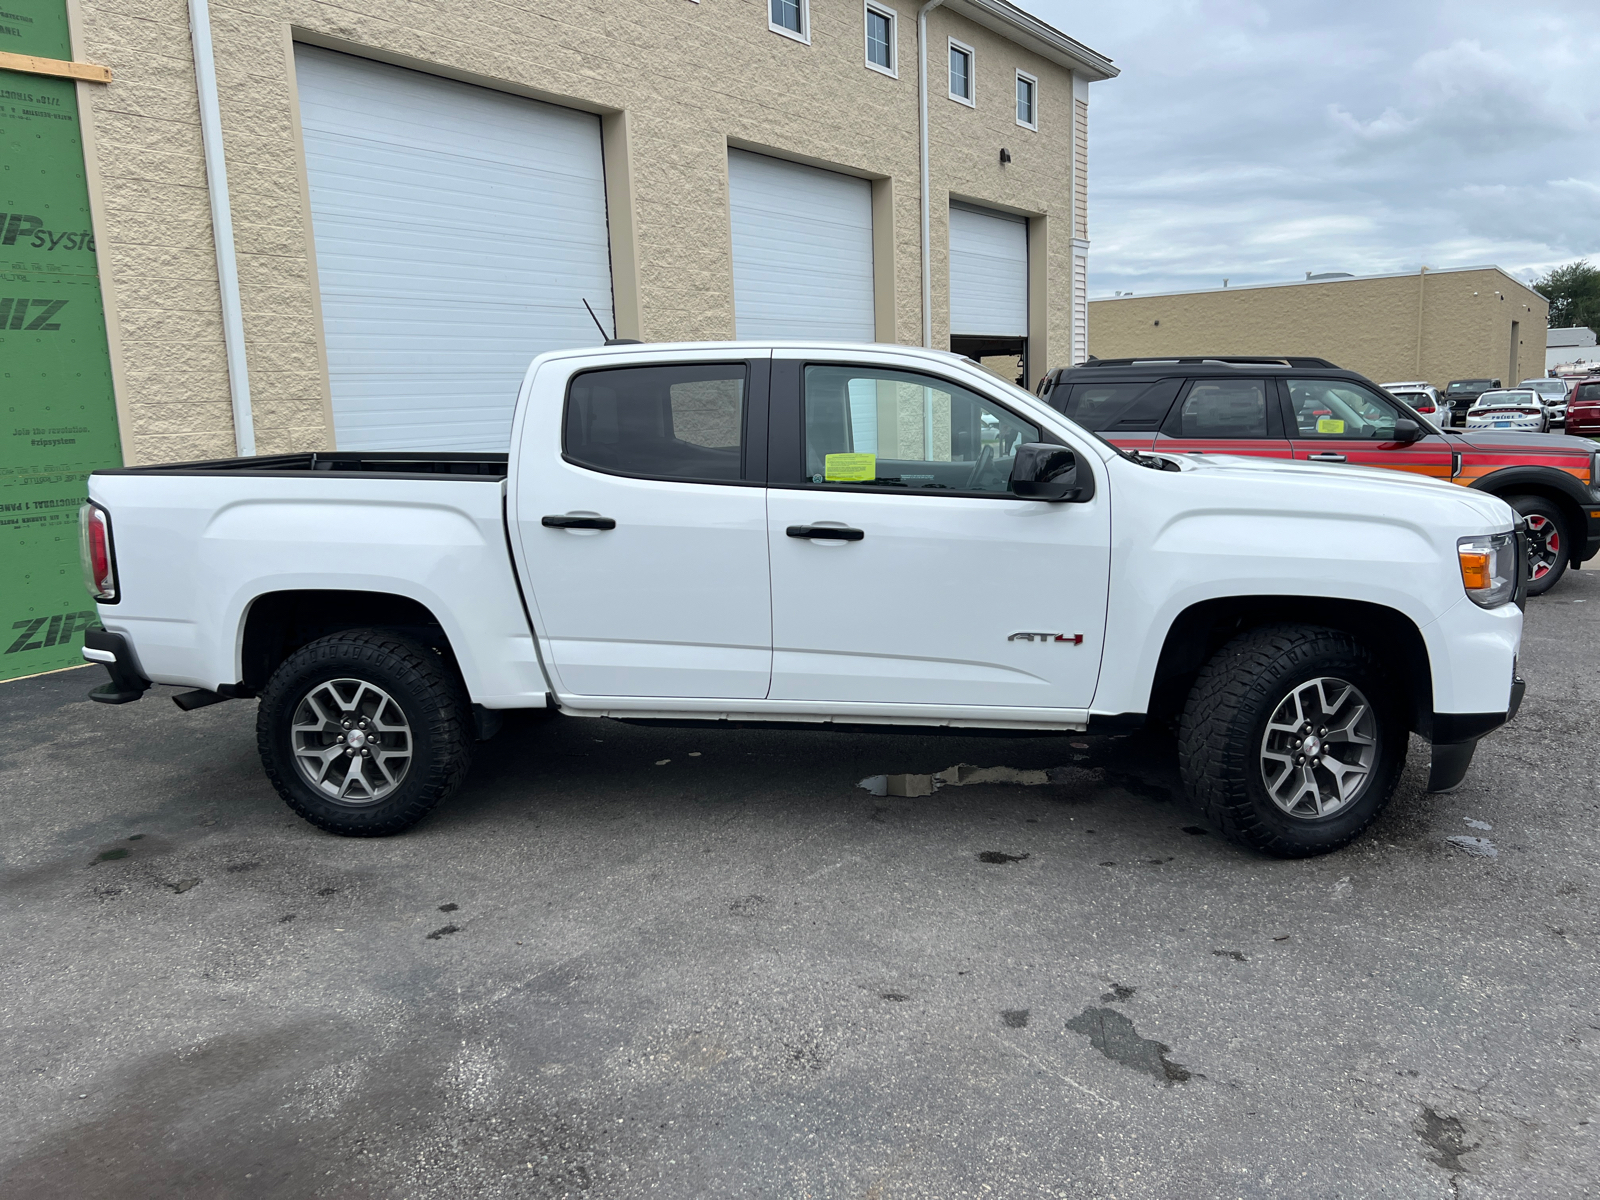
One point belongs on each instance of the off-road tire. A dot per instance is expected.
(1538, 506)
(418, 680)
(1224, 722)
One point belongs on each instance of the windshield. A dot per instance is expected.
(1507, 399)
(1469, 385)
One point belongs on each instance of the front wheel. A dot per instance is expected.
(1292, 740)
(363, 732)
(1547, 542)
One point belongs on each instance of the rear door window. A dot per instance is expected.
(1587, 391)
(661, 422)
(1221, 409)
(1117, 406)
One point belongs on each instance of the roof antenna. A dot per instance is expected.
(612, 339)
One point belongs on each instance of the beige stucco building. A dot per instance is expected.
(1470, 322)
(648, 156)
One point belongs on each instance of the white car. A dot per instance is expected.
(1517, 409)
(1420, 396)
(824, 535)
(1553, 394)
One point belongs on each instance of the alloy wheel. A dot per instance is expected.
(351, 740)
(1544, 546)
(1320, 748)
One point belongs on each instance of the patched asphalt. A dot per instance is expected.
(646, 962)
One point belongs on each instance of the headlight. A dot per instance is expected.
(1489, 568)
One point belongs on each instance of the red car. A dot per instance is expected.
(1309, 409)
(1583, 408)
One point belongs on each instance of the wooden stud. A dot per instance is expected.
(31, 64)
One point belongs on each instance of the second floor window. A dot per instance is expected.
(1027, 101)
(960, 72)
(789, 14)
(880, 39)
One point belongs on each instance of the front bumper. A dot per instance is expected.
(1456, 735)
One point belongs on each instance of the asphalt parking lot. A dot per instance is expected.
(646, 962)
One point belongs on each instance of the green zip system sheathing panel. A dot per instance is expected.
(56, 403)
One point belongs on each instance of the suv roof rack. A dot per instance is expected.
(1221, 360)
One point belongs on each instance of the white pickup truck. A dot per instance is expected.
(829, 534)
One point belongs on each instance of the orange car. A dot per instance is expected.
(1309, 409)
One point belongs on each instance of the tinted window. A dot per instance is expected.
(1587, 391)
(1224, 408)
(872, 427)
(1099, 407)
(677, 422)
(1338, 408)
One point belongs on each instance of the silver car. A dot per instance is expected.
(1553, 395)
(1519, 409)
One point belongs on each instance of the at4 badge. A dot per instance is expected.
(1075, 639)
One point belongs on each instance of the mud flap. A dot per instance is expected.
(1450, 765)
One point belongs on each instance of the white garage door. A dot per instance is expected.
(802, 250)
(458, 232)
(988, 274)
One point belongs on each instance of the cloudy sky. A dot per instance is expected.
(1259, 141)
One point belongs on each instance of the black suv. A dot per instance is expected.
(1311, 410)
(1460, 393)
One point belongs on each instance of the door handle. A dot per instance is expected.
(832, 533)
(1326, 456)
(566, 522)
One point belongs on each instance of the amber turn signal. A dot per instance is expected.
(1474, 568)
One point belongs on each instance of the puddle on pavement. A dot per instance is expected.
(1117, 994)
(443, 931)
(1480, 847)
(1446, 1137)
(111, 855)
(1236, 955)
(894, 997)
(1113, 1035)
(448, 907)
(183, 885)
(1015, 1018)
(999, 857)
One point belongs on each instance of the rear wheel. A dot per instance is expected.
(1292, 740)
(1547, 542)
(363, 732)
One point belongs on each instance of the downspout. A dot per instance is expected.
(205, 78)
(922, 130)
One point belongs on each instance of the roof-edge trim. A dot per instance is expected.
(1256, 287)
(1028, 30)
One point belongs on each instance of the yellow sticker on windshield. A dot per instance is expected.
(1329, 425)
(850, 468)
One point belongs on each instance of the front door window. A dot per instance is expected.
(1340, 420)
(870, 428)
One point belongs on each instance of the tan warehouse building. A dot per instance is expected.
(422, 197)
(1469, 322)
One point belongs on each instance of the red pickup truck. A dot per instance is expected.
(1309, 409)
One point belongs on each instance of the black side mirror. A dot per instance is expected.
(1045, 472)
(1407, 431)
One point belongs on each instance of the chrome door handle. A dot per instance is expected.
(566, 522)
(832, 533)
(1326, 456)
